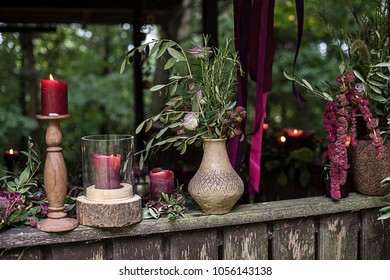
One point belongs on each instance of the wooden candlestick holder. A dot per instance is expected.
(55, 178)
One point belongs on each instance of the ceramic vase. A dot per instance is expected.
(216, 186)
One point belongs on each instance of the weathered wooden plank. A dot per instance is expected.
(27, 253)
(246, 242)
(338, 237)
(138, 248)
(243, 214)
(89, 250)
(294, 240)
(194, 245)
(375, 243)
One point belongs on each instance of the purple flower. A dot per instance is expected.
(200, 52)
(190, 121)
(359, 87)
(44, 209)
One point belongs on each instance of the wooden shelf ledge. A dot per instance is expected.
(242, 214)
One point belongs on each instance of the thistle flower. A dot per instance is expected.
(190, 121)
(200, 52)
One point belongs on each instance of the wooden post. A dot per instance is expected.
(55, 179)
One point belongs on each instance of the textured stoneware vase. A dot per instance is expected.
(367, 171)
(216, 186)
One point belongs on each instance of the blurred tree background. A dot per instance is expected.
(102, 101)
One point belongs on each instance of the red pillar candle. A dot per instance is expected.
(107, 171)
(161, 180)
(54, 97)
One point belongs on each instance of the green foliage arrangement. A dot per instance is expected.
(22, 198)
(199, 106)
(172, 206)
(366, 56)
(362, 89)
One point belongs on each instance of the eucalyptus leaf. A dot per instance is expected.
(154, 213)
(167, 146)
(157, 87)
(170, 63)
(123, 66)
(162, 49)
(24, 176)
(183, 148)
(177, 116)
(161, 132)
(173, 89)
(139, 127)
(149, 125)
(288, 76)
(174, 53)
(156, 45)
(307, 84)
(374, 88)
(149, 144)
(191, 140)
(383, 76)
(382, 64)
(357, 74)
(176, 124)
(375, 83)
(384, 209)
(384, 216)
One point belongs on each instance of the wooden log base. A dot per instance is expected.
(115, 213)
(92, 193)
(57, 225)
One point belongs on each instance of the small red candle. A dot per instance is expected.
(293, 132)
(54, 97)
(161, 180)
(107, 171)
(348, 141)
(281, 141)
(11, 157)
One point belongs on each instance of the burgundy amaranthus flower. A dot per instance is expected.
(335, 121)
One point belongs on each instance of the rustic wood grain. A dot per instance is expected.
(88, 250)
(194, 245)
(294, 240)
(138, 248)
(27, 253)
(243, 214)
(338, 237)
(375, 243)
(246, 242)
(113, 213)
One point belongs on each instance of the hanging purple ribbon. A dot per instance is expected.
(254, 33)
(255, 46)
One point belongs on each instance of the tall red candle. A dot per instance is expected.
(161, 180)
(107, 171)
(54, 97)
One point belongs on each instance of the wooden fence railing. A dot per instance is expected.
(307, 228)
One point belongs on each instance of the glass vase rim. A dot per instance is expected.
(107, 137)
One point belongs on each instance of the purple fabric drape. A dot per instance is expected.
(254, 34)
(255, 46)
